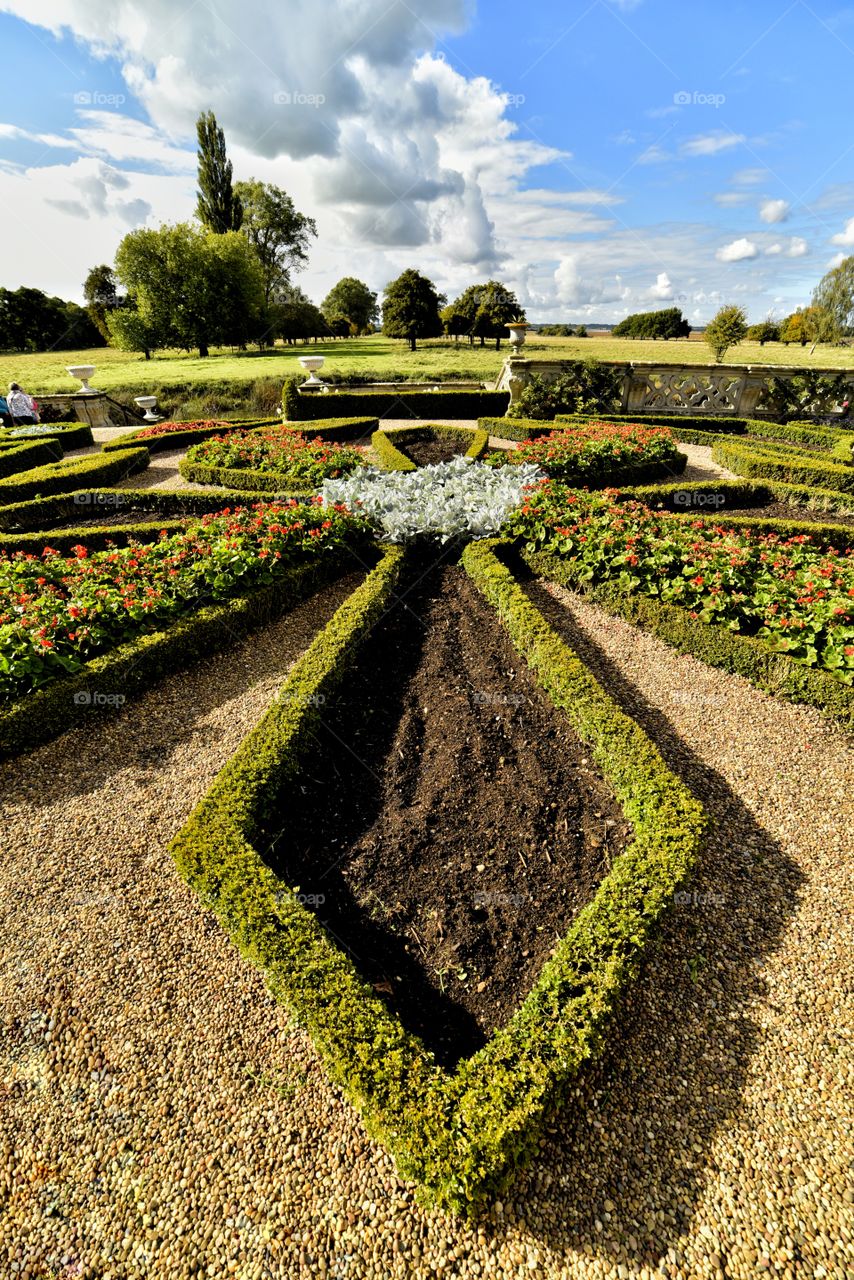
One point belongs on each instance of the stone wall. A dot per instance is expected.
(648, 387)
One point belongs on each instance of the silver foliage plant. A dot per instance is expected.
(458, 499)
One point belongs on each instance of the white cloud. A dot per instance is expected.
(795, 247)
(654, 155)
(737, 251)
(662, 290)
(572, 288)
(749, 177)
(731, 199)
(846, 237)
(773, 211)
(16, 134)
(709, 144)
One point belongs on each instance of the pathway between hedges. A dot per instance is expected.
(161, 1117)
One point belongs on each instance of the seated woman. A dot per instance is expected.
(21, 406)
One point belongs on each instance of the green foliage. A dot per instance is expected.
(26, 455)
(726, 329)
(761, 462)
(666, 323)
(219, 208)
(190, 287)
(834, 297)
(399, 404)
(99, 290)
(63, 477)
(230, 464)
(41, 514)
(32, 321)
(70, 435)
(767, 331)
(460, 1135)
(809, 393)
(352, 299)
(385, 443)
(276, 230)
(583, 386)
(483, 311)
(411, 308)
(291, 399)
(843, 451)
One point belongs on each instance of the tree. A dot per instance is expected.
(128, 331)
(665, 323)
(277, 231)
(218, 207)
(812, 325)
(411, 308)
(483, 311)
(767, 331)
(352, 298)
(32, 321)
(99, 290)
(726, 329)
(834, 294)
(192, 287)
(297, 317)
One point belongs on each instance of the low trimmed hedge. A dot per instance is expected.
(335, 428)
(133, 667)
(459, 1134)
(93, 537)
(746, 656)
(384, 443)
(176, 439)
(71, 435)
(39, 514)
(266, 481)
(17, 456)
(64, 477)
(843, 451)
(762, 463)
(399, 404)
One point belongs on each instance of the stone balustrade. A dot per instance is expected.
(648, 387)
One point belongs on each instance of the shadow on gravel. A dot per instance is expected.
(143, 735)
(624, 1161)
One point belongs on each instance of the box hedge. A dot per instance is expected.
(133, 667)
(64, 477)
(385, 442)
(71, 435)
(178, 439)
(460, 1135)
(761, 462)
(266, 481)
(41, 514)
(396, 404)
(17, 456)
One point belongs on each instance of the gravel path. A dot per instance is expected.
(162, 1119)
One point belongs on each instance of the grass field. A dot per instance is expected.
(378, 356)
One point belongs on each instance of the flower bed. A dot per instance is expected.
(172, 435)
(459, 1133)
(390, 444)
(56, 613)
(71, 435)
(455, 499)
(271, 458)
(71, 474)
(591, 453)
(794, 597)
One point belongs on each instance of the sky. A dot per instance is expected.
(599, 156)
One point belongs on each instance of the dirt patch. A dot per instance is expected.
(786, 511)
(430, 450)
(117, 516)
(450, 819)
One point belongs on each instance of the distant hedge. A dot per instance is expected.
(397, 404)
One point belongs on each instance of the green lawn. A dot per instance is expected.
(381, 357)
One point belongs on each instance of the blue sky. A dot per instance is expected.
(600, 157)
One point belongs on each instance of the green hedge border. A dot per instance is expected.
(459, 1135)
(385, 442)
(175, 439)
(260, 481)
(775, 673)
(64, 477)
(71, 435)
(843, 451)
(20, 456)
(399, 404)
(754, 461)
(35, 514)
(136, 665)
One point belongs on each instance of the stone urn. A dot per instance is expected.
(312, 364)
(84, 372)
(518, 333)
(147, 403)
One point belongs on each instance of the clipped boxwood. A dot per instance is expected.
(460, 1135)
(26, 455)
(746, 656)
(71, 435)
(178, 439)
(267, 481)
(761, 462)
(133, 667)
(843, 451)
(40, 514)
(385, 442)
(64, 477)
(397, 404)
(93, 537)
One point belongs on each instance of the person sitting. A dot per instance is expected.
(5, 415)
(21, 406)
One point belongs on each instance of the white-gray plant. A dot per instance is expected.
(454, 499)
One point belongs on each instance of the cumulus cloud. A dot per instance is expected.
(572, 288)
(772, 211)
(709, 144)
(845, 237)
(794, 247)
(662, 289)
(737, 251)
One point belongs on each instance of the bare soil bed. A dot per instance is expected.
(450, 823)
(786, 511)
(431, 450)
